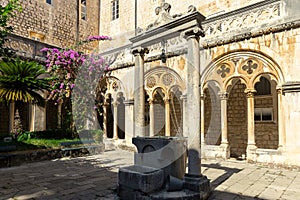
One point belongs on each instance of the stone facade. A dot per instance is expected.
(245, 41)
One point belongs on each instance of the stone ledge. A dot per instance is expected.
(10, 159)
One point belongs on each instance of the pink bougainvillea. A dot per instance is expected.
(64, 65)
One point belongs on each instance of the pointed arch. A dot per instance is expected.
(248, 65)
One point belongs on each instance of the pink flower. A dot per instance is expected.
(44, 49)
(61, 86)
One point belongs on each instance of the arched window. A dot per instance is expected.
(263, 87)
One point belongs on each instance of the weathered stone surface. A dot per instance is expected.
(140, 178)
(168, 153)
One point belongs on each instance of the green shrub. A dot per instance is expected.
(49, 134)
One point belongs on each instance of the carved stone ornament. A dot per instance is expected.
(164, 17)
(223, 71)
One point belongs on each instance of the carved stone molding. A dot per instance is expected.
(291, 87)
(238, 25)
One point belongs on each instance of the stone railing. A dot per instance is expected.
(242, 22)
(26, 47)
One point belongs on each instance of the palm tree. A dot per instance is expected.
(22, 81)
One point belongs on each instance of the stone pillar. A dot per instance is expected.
(32, 117)
(129, 125)
(193, 101)
(167, 117)
(280, 121)
(202, 121)
(11, 116)
(115, 105)
(251, 147)
(224, 139)
(184, 115)
(194, 180)
(139, 92)
(152, 120)
(105, 104)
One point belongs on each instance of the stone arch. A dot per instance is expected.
(162, 77)
(115, 87)
(165, 89)
(236, 74)
(245, 64)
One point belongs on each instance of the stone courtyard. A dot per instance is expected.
(95, 177)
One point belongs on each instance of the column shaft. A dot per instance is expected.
(32, 117)
(250, 109)
(11, 116)
(167, 116)
(152, 120)
(224, 97)
(202, 121)
(193, 101)
(105, 120)
(115, 105)
(139, 94)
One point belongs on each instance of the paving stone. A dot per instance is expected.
(95, 177)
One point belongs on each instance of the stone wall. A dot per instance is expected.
(237, 120)
(143, 14)
(266, 132)
(212, 117)
(57, 23)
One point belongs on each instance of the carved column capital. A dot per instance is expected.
(195, 32)
(223, 95)
(279, 91)
(151, 101)
(139, 51)
(166, 99)
(183, 97)
(202, 96)
(115, 103)
(250, 93)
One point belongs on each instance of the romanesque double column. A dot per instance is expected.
(139, 92)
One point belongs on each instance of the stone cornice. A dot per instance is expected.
(291, 87)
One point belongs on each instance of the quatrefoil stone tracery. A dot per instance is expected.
(151, 82)
(223, 71)
(250, 66)
(167, 79)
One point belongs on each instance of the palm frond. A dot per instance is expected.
(23, 81)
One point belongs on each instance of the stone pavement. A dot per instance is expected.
(95, 177)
